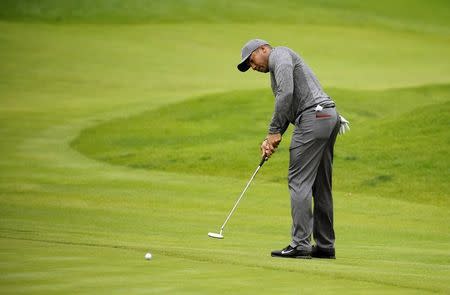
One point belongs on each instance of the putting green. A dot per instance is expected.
(92, 179)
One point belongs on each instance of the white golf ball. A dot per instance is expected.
(148, 256)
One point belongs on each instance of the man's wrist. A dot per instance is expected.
(272, 135)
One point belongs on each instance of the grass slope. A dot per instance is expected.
(384, 154)
(70, 224)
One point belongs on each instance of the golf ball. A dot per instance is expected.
(148, 256)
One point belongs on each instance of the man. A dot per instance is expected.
(301, 101)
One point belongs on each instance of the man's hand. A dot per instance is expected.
(270, 144)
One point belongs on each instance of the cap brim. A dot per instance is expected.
(244, 66)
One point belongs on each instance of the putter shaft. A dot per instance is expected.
(242, 194)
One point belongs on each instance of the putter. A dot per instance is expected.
(220, 235)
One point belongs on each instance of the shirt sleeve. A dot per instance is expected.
(284, 91)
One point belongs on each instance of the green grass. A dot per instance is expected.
(91, 179)
(391, 130)
(432, 16)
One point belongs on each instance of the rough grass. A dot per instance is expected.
(383, 155)
(432, 16)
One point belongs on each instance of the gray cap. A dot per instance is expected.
(248, 49)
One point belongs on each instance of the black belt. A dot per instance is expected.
(324, 104)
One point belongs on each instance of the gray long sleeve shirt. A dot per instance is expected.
(294, 86)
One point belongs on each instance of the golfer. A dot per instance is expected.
(301, 101)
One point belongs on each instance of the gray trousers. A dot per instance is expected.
(310, 176)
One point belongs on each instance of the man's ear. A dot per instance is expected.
(265, 48)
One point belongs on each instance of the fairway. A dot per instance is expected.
(128, 130)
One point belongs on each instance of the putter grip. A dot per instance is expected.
(264, 158)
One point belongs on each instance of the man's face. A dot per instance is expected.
(259, 59)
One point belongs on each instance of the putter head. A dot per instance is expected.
(215, 235)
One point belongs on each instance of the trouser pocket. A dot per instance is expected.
(324, 123)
